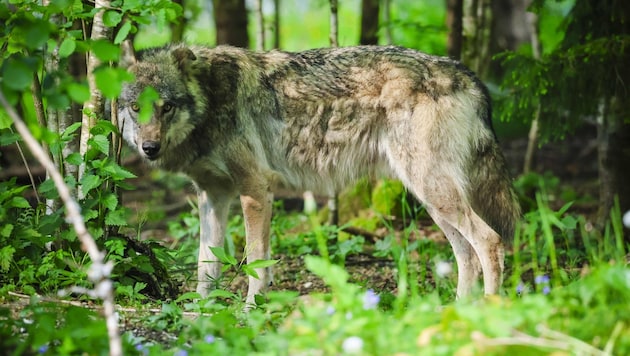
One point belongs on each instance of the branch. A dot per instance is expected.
(99, 271)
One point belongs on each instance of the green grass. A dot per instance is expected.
(566, 290)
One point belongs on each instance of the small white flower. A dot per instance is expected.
(626, 219)
(443, 269)
(352, 345)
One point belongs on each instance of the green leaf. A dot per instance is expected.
(37, 34)
(116, 218)
(105, 51)
(17, 74)
(123, 32)
(117, 172)
(262, 263)
(110, 201)
(109, 80)
(8, 138)
(146, 101)
(89, 182)
(67, 47)
(6, 230)
(74, 158)
(6, 257)
(19, 202)
(5, 122)
(48, 189)
(100, 142)
(219, 253)
(112, 18)
(79, 93)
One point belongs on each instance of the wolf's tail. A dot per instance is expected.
(492, 195)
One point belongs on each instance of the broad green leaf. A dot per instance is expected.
(100, 142)
(105, 51)
(110, 201)
(112, 18)
(19, 202)
(117, 172)
(67, 47)
(146, 101)
(123, 32)
(6, 257)
(89, 182)
(116, 218)
(6, 230)
(74, 158)
(5, 121)
(17, 74)
(109, 80)
(219, 253)
(37, 33)
(48, 189)
(262, 263)
(79, 93)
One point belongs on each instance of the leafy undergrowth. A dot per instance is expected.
(566, 292)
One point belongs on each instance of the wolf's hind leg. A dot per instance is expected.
(213, 214)
(257, 207)
(447, 206)
(468, 265)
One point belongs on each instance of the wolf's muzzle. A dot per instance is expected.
(151, 149)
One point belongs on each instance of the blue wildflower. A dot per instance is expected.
(330, 310)
(541, 279)
(370, 300)
(181, 353)
(210, 339)
(520, 288)
(42, 349)
(546, 290)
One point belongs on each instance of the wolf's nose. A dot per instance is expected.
(151, 148)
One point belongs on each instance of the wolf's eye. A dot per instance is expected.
(135, 107)
(167, 107)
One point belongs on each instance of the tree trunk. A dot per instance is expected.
(477, 25)
(613, 138)
(369, 22)
(387, 21)
(454, 14)
(276, 23)
(334, 24)
(178, 28)
(230, 18)
(95, 107)
(260, 28)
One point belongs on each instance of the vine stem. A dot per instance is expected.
(99, 271)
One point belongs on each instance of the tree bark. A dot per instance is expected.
(178, 28)
(260, 28)
(454, 14)
(477, 25)
(369, 22)
(230, 18)
(95, 107)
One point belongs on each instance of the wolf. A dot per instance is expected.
(242, 123)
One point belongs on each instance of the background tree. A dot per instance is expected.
(230, 17)
(369, 22)
(582, 81)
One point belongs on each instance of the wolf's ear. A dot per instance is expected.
(183, 58)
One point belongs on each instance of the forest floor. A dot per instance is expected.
(573, 161)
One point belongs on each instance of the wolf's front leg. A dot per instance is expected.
(257, 206)
(213, 215)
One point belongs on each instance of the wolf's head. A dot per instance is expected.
(167, 72)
